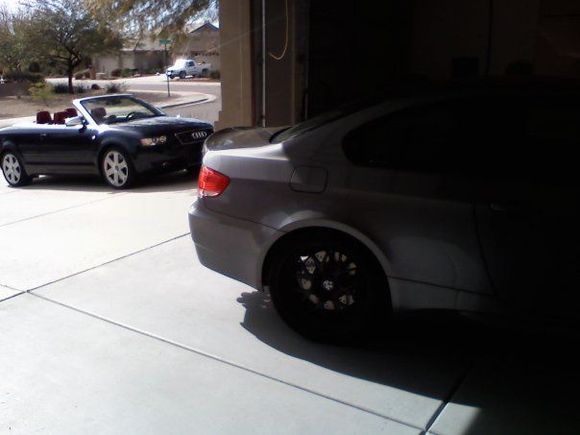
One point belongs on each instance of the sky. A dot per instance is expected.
(10, 4)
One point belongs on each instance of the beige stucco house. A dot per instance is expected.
(145, 54)
(148, 55)
(202, 43)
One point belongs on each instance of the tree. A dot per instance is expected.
(160, 16)
(12, 52)
(65, 33)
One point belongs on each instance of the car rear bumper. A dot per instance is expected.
(231, 246)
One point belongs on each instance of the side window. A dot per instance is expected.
(530, 139)
(190, 63)
(511, 137)
(423, 140)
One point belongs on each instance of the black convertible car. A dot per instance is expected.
(115, 136)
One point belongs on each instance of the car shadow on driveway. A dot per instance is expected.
(170, 182)
(391, 358)
(520, 380)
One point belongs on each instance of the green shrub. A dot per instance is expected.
(24, 76)
(34, 67)
(127, 72)
(60, 88)
(80, 89)
(116, 73)
(41, 91)
(115, 88)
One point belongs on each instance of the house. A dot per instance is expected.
(202, 43)
(145, 54)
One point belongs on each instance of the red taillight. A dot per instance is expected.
(211, 182)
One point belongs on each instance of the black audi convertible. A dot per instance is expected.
(115, 136)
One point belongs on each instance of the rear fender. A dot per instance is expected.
(331, 225)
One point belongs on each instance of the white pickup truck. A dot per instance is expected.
(188, 67)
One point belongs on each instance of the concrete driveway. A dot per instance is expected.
(109, 325)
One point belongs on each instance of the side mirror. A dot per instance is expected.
(76, 121)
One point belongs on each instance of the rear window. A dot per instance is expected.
(305, 126)
(325, 118)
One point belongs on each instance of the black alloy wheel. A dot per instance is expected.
(329, 290)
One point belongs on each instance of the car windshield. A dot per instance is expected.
(119, 108)
(179, 63)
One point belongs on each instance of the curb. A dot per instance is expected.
(187, 103)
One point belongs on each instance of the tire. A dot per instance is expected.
(182, 75)
(328, 288)
(117, 169)
(205, 73)
(13, 170)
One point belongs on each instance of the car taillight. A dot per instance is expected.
(211, 182)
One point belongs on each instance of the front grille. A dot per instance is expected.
(192, 136)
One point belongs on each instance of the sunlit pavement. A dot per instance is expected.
(109, 324)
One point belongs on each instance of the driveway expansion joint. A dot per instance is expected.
(225, 361)
(10, 288)
(454, 388)
(12, 296)
(30, 291)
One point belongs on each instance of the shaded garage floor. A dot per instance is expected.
(108, 324)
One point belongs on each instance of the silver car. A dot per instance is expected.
(463, 200)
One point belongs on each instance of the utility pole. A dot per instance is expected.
(165, 42)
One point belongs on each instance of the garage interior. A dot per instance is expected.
(288, 60)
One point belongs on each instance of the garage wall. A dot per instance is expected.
(339, 52)
(237, 64)
(355, 48)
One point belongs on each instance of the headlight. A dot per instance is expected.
(151, 141)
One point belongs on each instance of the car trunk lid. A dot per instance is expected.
(240, 137)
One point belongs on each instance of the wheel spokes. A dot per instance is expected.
(327, 281)
(11, 168)
(116, 168)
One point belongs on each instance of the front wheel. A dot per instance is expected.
(328, 288)
(182, 75)
(117, 169)
(13, 170)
